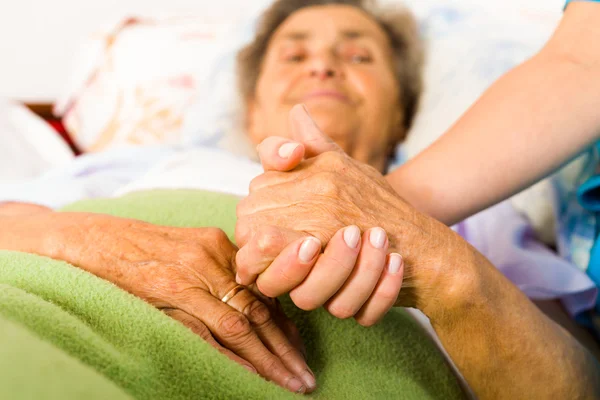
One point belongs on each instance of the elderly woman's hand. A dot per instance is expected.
(186, 272)
(322, 196)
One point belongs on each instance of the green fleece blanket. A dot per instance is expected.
(65, 334)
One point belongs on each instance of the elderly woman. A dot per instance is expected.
(359, 75)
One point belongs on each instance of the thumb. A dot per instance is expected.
(306, 131)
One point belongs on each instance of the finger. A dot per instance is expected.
(385, 294)
(258, 254)
(285, 324)
(270, 178)
(306, 131)
(331, 270)
(290, 267)
(289, 328)
(280, 154)
(233, 330)
(244, 228)
(273, 336)
(201, 330)
(359, 286)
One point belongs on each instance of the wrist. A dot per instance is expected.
(74, 236)
(442, 272)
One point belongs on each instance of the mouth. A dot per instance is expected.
(326, 94)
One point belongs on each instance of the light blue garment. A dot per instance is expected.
(577, 207)
(571, 1)
(576, 224)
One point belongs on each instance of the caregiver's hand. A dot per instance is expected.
(184, 272)
(321, 197)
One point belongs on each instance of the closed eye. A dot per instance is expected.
(295, 58)
(360, 59)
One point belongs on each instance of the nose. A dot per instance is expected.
(324, 66)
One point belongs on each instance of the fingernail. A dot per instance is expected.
(296, 386)
(309, 379)
(286, 150)
(238, 280)
(394, 263)
(352, 236)
(249, 368)
(377, 238)
(309, 249)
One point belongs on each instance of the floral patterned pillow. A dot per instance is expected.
(154, 81)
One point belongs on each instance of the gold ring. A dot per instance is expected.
(232, 293)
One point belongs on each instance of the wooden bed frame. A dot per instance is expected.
(43, 110)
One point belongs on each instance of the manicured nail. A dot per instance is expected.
(286, 150)
(309, 249)
(377, 238)
(352, 236)
(238, 280)
(309, 379)
(394, 263)
(296, 385)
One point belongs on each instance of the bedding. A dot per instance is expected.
(124, 347)
(499, 233)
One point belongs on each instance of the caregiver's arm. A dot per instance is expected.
(182, 271)
(502, 343)
(526, 125)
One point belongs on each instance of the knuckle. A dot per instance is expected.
(217, 235)
(257, 312)
(242, 232)
(256, 183)
(242, 207)
(233, 325)
(374, 267)
(333, 159)
(283, 351)
(327, 183)
(270, 363)
(263, 180)
(269, 240)
(336, 263)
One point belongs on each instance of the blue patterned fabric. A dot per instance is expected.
(570, 1)
(577, 189)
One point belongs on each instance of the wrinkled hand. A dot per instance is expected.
(185, 272)
(320, 200)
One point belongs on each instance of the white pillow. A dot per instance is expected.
(163, 79)
(470, 44)
(28, 145)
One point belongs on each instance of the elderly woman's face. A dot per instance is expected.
(338, 62)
